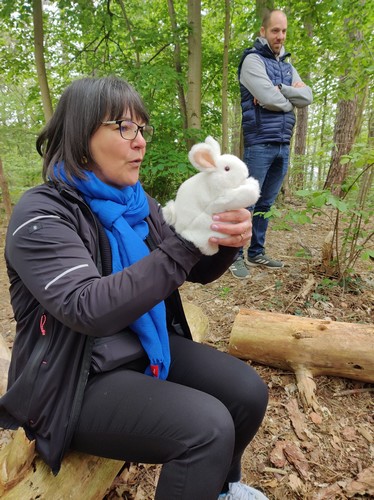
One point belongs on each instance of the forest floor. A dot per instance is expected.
(298, 453)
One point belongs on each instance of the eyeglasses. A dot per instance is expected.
(129, 129)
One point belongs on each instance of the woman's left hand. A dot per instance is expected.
(237, 224)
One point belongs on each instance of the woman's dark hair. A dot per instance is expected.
(82, 107)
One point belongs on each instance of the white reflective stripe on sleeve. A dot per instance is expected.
(34, 219)
(63, 274)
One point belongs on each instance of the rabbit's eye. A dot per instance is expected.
(227, 168)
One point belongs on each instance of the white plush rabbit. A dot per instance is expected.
(222, 185)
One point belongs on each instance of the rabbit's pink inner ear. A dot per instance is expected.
(205, 159)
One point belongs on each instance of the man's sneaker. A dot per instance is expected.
(263, 260)
(238, 269)
(240, 491)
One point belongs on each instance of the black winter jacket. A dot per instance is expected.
(61, 303)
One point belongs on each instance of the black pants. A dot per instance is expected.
(197, 423)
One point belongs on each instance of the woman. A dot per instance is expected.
(89, 256)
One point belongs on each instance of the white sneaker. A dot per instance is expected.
(240, 491)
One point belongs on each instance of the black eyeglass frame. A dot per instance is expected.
(150, 129)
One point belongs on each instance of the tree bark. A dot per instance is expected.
(37, 12)
(5, 192)
(262, 6)
(347, 120)
(225, 73)
(236, 127)
(194, 66)
(343, 141)
(301, 130)
(299, 169)
(305, 345)
(178, 63)
(130, 32)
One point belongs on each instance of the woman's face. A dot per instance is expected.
(117, 160)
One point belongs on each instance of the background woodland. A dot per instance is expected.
(182, 57)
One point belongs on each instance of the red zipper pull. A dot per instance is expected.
(43, 320)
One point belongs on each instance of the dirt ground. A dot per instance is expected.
(298, 453)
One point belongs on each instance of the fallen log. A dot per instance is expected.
(81, 475)
(4, 364)
(197, 320)
(24, 475)
(307, 346)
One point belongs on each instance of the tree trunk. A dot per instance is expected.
(299, 169)
(262, 6)
(361, 238)
(347, 121)
(194, 66)
(322, 167)
(5, 192)
(301, 127)
(225, 73)
(343, 141)
(39, 58)
(178, 64)
(360, 114)
(371, 127)
(130, 32)
(305, 345)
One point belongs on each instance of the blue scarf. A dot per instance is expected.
(122, 213)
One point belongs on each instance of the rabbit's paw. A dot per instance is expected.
(168, 211)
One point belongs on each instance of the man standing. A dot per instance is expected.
(270, 88)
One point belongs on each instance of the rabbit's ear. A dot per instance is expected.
(216, 148)
(202, 158)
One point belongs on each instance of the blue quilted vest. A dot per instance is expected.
(261, 125)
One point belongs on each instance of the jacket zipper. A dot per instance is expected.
(86, 358)
(38, 355)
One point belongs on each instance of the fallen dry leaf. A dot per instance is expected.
(349, 433)
(366, 433)
(315, 418)
(363, 485)
(330, 493)
(273, 483)
(295, 482)
(296, 457)
(277, 457)
(297, 419)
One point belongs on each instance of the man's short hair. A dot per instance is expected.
(267, 16)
